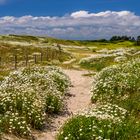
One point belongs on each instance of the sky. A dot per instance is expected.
(70, 19)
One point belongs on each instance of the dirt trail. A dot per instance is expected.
(80, 99)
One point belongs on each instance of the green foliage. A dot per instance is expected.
(96, 63)
(116, 117)
(25, 38)
(138, 41)
(14, 123)
(53, 103)
(131, 103)
(28, 94)
(118, 82)
(107, 122)
(122, 38)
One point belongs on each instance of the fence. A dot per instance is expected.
(16, 60)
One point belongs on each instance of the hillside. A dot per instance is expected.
(68, 90)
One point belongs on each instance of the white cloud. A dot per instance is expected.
(77, 25)
(80, 14)
(86, 14)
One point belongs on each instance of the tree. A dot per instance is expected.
(122, 38)
(138, 40)
(133, 39)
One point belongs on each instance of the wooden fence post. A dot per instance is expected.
(26, 59)
(47, 54)
(60, 51)
(41, 57)
(35, 58)
(15, 59)
(0, 61)
(52, 54)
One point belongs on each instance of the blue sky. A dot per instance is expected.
(62, 7)
(70, 19)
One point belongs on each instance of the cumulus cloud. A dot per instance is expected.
(77, 25)
(82, 14)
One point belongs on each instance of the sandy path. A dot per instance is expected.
(80, 99)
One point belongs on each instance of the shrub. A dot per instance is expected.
(116, 117)
(117, 82)
(28, 94)
(14, 123)
(131, 103)
(106, 122)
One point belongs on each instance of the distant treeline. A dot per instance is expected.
(118, 38)
(126, 38)
(122, 38)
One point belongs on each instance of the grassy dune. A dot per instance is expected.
(32, 87)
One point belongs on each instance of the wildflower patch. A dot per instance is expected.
(27, 95)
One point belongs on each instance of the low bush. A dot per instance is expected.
(116, 91)
(106, 122)
(117, 82)
(28, 94)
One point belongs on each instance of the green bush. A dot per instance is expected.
(28, 94)
(108, 122)
(116, 117)
(53, 103)
(117, 82)
(131, 103)
(14, 123)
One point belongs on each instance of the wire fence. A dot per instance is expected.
(16, 60)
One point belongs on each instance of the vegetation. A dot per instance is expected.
(117, 82)
(34, 91)
(103, 58)
(122, 38)
(138, 41)
(27, 95)
(116, 116)
(96, 62)
(20, 51)
(106, 122)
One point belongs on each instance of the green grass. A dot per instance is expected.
(96, 64)
(19, 38)
(3, 73)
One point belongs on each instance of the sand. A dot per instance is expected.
(79, 99)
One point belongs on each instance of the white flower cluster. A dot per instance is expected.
(30, 93)
(119, 52)
(117, 81)
(102, 122)
(120, 59)
(105, 112)
(108, 120)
